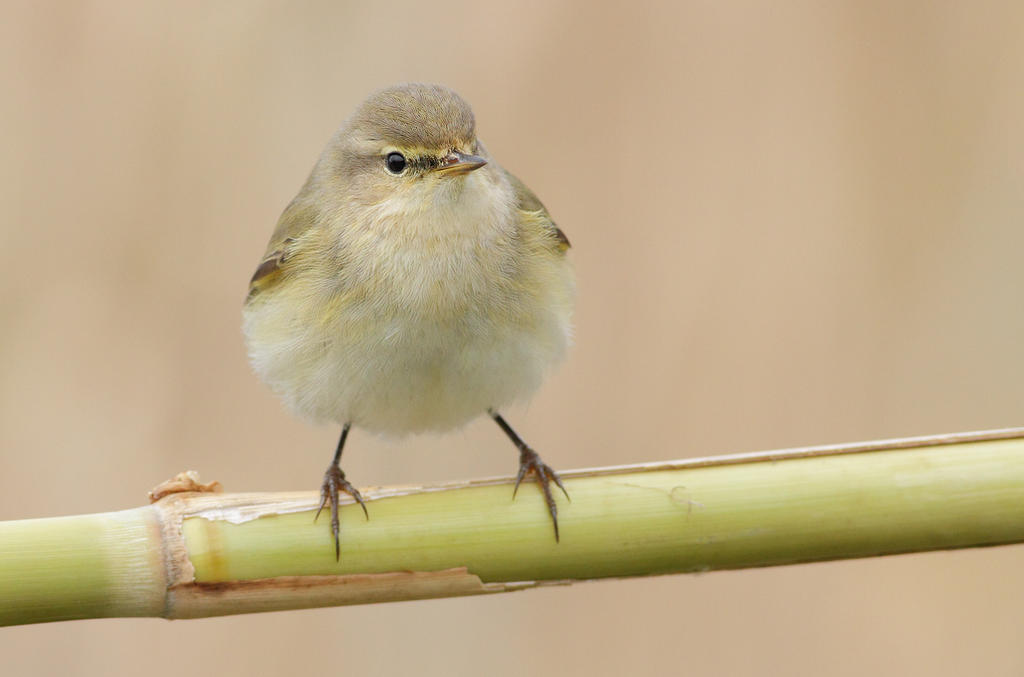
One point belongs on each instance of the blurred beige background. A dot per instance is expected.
(794, 223)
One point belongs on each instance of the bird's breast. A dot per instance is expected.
(439, 265)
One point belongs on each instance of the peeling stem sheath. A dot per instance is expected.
(191, 555)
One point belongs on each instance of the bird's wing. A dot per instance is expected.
(530, 203)
(297, 218)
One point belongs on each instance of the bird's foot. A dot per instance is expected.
(334, 479)
(530, 462)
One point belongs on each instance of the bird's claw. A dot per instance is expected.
(530, 462)
(334, 480)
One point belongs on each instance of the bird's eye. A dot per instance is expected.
(395, 163)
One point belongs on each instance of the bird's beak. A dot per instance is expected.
(459, 163)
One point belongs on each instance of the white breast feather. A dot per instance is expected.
(439, 314)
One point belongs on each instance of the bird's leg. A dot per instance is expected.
(530, 462)
(334, 479)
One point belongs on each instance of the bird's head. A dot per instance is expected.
(411, 145)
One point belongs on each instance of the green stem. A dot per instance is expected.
(204, 554)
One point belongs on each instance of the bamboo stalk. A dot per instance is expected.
(199, 554)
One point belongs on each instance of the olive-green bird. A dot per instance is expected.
(411, 285)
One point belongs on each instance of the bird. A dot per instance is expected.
(411, 285)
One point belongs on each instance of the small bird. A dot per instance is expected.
(412, 284)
